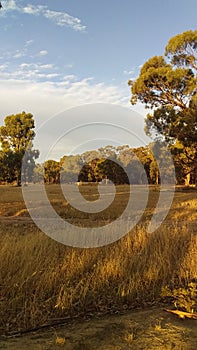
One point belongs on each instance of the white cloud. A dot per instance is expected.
(33, 10)
(62, 19)
(43, 53)
(14, 54)
(23, 52)
(3, 66)
(128, 72)
(18, 54)
(46, 66)
(47, 99)
(9, 5)
(26, 65)
(69, 65)
(29, 42)
(29, 75)
(36, 65)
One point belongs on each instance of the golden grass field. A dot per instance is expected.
(42, 281)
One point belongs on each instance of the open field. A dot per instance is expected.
(43, 281)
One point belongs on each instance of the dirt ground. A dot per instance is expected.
(141, 329)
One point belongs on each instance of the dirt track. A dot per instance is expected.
(143, 329)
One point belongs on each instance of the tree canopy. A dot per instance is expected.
(16, 137)
(168, 85)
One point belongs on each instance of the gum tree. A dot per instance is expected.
(168, 86)
(16, 136)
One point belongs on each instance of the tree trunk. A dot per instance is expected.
(156, 178)
(187, 180)
(195, 170)
(18, 177)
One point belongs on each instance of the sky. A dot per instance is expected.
(62, 54)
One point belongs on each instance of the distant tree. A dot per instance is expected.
(29, 163)
(145, 157)
(16, 136)
(70, 167)
(168, 85)
(91, 171)
(38, 173)
(120, 164)
(7, 170)
(114, 171)
(183, 161)
(52, 172)
(108, 152)
(88, 156)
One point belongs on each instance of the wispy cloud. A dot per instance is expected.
(62, 19)
(9, 5)
(24, 51)
(128, 72)
(70, 65)
(29, 42)
(43, 53)
(36, 66)
(46, 99)
(29, 71)
(38, 92)
(3, 66)
(19, 54)
(34, 10)
(15, 54)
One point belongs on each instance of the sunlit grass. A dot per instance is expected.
(42, 279)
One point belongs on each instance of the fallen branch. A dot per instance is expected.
(183, 314)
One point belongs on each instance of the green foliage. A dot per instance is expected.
(168, 85)
(17, 132)
(16, 137)
(112, 163)
(160, 84)
(121, 165)
(38, 173)
(51, 172)
(181, 49)
(91, 171)
(70, 167)
(113, 170)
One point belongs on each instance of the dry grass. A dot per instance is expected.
(41, 279)
(149, 329)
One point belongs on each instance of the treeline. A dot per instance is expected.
(120, 165)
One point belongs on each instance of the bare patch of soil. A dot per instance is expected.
(143, 329)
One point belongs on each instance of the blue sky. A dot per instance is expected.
(59, 54)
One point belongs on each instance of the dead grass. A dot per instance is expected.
(42, 280)
(140, 329)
